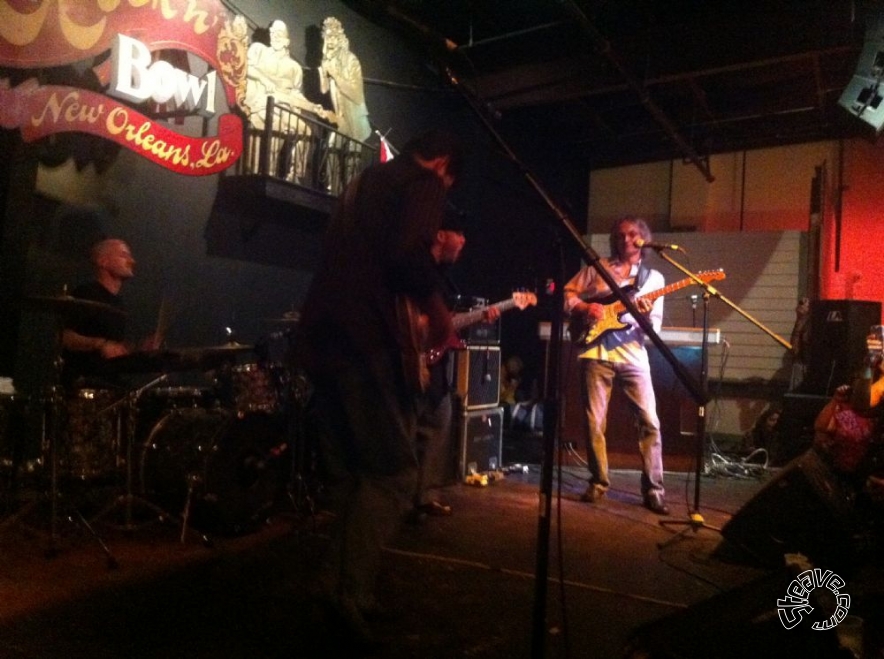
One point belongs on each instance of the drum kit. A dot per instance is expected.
(215, 457)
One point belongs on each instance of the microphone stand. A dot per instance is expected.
(551, 400)
(695, 520)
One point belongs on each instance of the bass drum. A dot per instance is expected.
(232, 466)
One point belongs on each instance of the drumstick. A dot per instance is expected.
(163, 318)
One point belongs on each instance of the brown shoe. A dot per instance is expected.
(435, 509)
(594, 493)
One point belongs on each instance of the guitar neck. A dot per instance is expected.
(653, 295)
(467, 318)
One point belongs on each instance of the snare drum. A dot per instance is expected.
(256, 387)
(231, 466)
(92, 449)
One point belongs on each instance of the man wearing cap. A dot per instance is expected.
(435, 408)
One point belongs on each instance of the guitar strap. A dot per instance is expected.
(642, 275)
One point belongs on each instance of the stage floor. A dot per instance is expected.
(461, 586)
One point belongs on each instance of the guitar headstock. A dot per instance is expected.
(711, 275)
(524, 300)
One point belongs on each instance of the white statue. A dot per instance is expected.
(340, 76)
(273, 72)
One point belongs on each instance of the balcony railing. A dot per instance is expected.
(301, 150)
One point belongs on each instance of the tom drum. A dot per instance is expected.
(92, 446)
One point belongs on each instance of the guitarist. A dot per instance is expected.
(435, 408)
(376, 251)
(619, 358)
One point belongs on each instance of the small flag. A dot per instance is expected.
(386, 150)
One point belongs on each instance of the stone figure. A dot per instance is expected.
(340, 76)
(273, 72)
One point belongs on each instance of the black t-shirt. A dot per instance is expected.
(94, 323)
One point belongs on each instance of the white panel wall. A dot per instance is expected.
(763, 276)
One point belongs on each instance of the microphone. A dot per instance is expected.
(641, 242)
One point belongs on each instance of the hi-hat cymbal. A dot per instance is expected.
(209, 357)
(289, 318)
(225, 349)
(67, 304)
(230, 346)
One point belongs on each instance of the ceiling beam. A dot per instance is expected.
(603, 46)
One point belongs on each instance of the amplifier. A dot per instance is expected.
(481, 441)
(482, 333)
(477, 376)
(476, 332)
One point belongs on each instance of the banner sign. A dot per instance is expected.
(54, 33)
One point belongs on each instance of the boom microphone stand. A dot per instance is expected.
(550, 425)
(695, 521)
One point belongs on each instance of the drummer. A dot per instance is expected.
(92, 337)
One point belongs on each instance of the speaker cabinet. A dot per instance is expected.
(806, 508)
(481, 441)
(477, 376)
(838, 330)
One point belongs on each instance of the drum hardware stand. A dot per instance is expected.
(71, 512)
(129, 499)
(297, 490)
(10, 495)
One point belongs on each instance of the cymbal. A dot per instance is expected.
(230, 346)
(67, 304)
(291, 318)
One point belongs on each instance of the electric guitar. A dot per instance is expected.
(586, 332)
(411, 333)
(460, 321)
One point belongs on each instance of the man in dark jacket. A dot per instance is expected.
(355, 342)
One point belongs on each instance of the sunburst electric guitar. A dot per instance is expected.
(586, 333)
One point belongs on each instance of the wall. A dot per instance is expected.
(215, 271)
(762, 190)
(258, 273)
(859, 274)
(754, 192)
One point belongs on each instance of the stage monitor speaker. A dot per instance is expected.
(735, 624)
(838, 330)
(481, 441)
(477, 376)
(806, 508)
